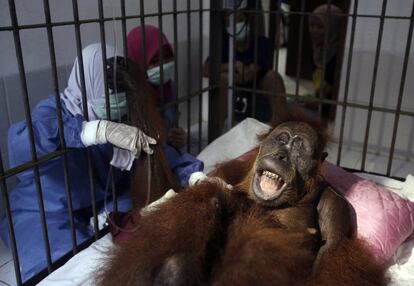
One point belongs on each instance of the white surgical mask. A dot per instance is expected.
(154, 74)
(117, 106)
(242, 31)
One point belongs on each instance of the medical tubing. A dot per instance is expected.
(108, 218)
(149, 169)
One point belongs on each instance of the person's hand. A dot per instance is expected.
(176, 137)
(118, 134)
(199, 178)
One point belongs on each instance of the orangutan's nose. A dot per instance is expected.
(281, 156)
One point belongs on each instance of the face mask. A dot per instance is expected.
(242, 31)
(154, 74)
(117, 106)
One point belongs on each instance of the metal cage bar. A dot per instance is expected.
(231, 67)
(200, 83)
(300, 44)
(373, 83)
(325, 49)
(332, 102)
(85, 109)
(347, 80)
(26, 103)
(188, 75)
(106, 90)
(176, 78)
(52, 53)
(274, 30)
(401, 92)
(138, 16)
(9, 217)
(143, 40)
(255, 49)
(216, 24)
(161, 51)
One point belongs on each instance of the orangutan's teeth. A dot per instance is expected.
(270, 175)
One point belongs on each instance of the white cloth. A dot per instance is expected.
(237, 141)
(122, 159)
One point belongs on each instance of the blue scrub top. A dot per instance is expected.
(46, 137)
(46, 133)
(23, 199)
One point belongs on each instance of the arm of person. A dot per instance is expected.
(182, 164)
(45, 133)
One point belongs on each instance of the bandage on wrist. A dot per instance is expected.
(88, 133)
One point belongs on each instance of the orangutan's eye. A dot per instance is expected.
(282, 139)
(298, 143)
(301, 145)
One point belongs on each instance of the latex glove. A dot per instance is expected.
(199, 177)
(176, 137)
(118, 134)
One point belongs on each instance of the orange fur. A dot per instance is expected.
(144, 115)
(209, 235)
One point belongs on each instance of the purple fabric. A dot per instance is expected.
(384, 218)
(152, 46)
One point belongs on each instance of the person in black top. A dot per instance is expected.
(267, 106)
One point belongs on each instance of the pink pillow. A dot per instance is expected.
(384, 219)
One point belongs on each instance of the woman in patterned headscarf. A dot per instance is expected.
(321, 26)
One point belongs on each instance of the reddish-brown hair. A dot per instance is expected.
(144, 115)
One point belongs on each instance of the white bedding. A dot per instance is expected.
(81, 268)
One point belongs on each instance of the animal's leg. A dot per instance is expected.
(350, 263)
(172, 245)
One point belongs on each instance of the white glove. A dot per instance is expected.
(118, 134)
(198, 177)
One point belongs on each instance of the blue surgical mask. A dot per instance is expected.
(117, 106)
(154, 74)
(242, 31)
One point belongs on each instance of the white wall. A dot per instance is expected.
(387, 83)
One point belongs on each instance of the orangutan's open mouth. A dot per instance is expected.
(269, 185)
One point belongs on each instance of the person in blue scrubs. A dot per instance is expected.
(110, 143)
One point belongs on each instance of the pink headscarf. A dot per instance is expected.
(151, 48)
